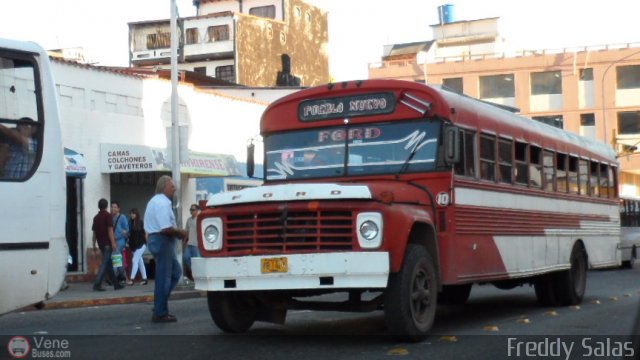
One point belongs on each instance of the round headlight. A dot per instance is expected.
(211, 234)
(369, 230)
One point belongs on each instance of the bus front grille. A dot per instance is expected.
(289, 231)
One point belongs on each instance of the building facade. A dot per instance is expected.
(115, 132)
(248, 42)
(592, 91)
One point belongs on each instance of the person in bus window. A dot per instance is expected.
(22, 149)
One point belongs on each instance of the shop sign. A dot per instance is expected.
(119, 158)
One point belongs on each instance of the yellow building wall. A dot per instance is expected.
(303, 36)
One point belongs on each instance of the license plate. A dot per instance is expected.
(274, 265)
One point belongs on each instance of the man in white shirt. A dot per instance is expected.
(160, 225)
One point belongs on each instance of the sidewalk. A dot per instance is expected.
(81, 294)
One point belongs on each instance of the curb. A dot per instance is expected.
(119, 300)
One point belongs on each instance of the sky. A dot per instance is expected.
(358, 29)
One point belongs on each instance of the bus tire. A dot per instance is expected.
(570, 284)
(232, 312)
(545, 292)
(454, 294)
(412, 295)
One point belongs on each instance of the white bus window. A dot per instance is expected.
(19, 128)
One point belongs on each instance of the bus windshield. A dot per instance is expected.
(351, 150)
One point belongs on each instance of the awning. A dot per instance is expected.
(118, 158)
(74, 164)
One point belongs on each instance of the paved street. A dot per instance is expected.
(481, 329)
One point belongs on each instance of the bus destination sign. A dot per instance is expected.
(346, 106)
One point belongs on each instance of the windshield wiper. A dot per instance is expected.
(405, 165)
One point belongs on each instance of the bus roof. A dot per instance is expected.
(26, 46)
(459, 109)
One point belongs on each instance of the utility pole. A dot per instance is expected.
(175, 127)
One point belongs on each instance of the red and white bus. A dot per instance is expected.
(402, 196)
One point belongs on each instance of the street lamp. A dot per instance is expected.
(175, 127)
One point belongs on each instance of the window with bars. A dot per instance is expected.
(159, 40)
(217, 33)
(192, 36)
(226, 73)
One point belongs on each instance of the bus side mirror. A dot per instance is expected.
(451, 145)
(250, 159)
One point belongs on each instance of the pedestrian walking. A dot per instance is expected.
(160, 225)
(103, 234)
(191, 244)
(137, 244)
(121, 233)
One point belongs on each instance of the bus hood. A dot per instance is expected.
(400, 192)
(290, 192)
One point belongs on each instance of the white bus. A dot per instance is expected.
(33, 248)
(629, 230)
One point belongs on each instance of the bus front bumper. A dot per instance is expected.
(342, 270)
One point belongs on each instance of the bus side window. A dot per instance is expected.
(561, 173)
(573, 175)
(604, 181)
(18, 148)
(535, 168)
(594, 178)
(522, 168)
(505, 160)
(19, 125)
(467, 164)
(488, 157)
(549, 170)
(584, 176)
(613, 183)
